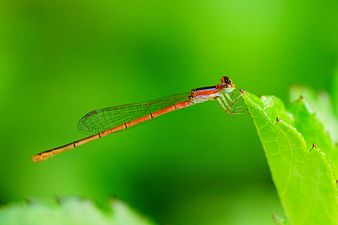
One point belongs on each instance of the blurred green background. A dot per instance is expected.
(61, 59)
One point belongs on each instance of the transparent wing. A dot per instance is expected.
(106, 118)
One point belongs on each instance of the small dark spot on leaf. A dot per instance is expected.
(314, 146)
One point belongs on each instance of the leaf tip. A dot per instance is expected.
(242, 91)
(278, 220)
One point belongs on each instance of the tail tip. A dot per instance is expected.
(39, 157)
(36, 158)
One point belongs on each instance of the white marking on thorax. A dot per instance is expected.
(204, 98)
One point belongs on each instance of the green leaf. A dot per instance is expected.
(313, 130)
(69, 211)
(303, 176)
(321, 105)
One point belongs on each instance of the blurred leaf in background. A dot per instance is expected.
(334, 88)
(61, 59)
(69, 211)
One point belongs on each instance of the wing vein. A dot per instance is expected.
(102, 119)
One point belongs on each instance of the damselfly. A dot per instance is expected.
(101, 122)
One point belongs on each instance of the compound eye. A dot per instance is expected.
(226, 80)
